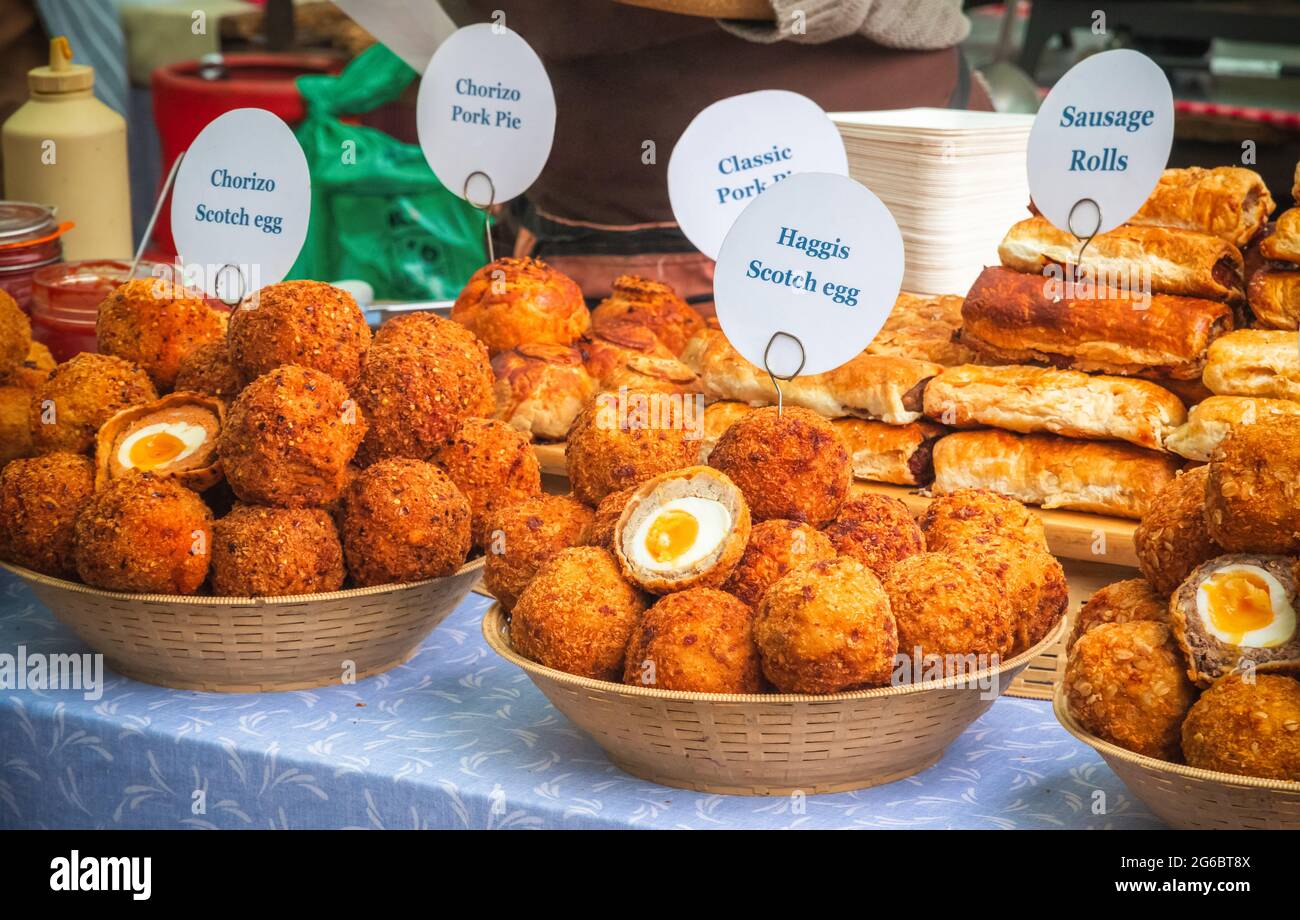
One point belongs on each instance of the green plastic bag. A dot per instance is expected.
(378, 213)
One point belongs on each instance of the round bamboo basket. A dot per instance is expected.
(247, 644)
(767, 743)
(1188, 797)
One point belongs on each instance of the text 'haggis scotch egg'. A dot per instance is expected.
(682, 529)
(1236, 611)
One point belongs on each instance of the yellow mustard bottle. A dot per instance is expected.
(67, 149)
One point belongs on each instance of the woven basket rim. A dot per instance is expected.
(1155, 765)
(494, 618)
(211, 600)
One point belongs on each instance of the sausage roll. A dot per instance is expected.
(899, 454)
(1255, 362)
(1274, 296)
(1211, 420)
(1228, 202)
(1283, 244)
(923, 328)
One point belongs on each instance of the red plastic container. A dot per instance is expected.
(184, 103)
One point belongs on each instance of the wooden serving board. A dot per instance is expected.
(1091, 538)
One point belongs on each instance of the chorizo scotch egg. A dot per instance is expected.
(683, 529)
(174, 436)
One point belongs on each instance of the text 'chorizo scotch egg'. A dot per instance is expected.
(682, 529)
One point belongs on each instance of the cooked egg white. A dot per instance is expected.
(1244, 605)
(679, 533)
(160, 444)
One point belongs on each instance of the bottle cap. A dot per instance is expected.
(60, 75)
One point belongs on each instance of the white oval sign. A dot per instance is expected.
(738, 148)
(240, 204)
(486, 114)
(1101, 137)
(817, 257)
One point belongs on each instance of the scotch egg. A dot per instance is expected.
(175, 436)
(682, 529)
(1235, 612)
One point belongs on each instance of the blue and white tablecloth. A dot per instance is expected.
(455, 738)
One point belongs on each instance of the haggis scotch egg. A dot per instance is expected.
(683, 529)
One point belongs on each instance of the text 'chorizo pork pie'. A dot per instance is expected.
(790, 465)
(175, 436)
(40, 498)
(493, 465)
(699, 640)
(144, 533)
(404, 520)
(520, 538)
(261, 551)
(80, 395)
(308, 323)
(156, 324)
(1248, 725)
(622, 439)
(1121, 602)
(419, 382)
(653, 304)
(1171, 538)
(775, 549)
(946, 605)
(510, 302)
(682, 529)
(540, 389)
(877, 530)
(826, 627)
(1252, 495)
(289, 437)
(1126, 684)
(577, 615)
(1237, 611)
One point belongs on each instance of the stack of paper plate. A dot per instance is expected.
(954, 181)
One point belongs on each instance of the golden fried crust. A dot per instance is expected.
(15, 334)
(877, 530)
(612, 341)
(947, 605)
(40, 498)
(775, 548)
(80, 395)
(510, 302)
(1246, 729)
(145, 534)
(577, 614)
(1250, 492)
(1171, 538)
(521, 537)
(493, 466)
(33, 371)
(207, 369)
(718, 417)
(15, 430)
(620, 440)
(416, 390)
(1127, 601)
(404, 520)
(1127, 684)
(540, 389)
(1228, 202)
(600, 532)
(979, 517)
(826, 627)
(260, 552)
(156, 324)
(792, 466)
(308, 323)
(653, 304)
(288, 438)
(1033, 581)
(699, 640)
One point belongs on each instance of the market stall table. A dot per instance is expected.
(456, 738)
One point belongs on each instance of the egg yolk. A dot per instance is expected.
(1238, 603)
(154, 450)
(672, 533)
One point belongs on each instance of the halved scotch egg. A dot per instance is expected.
(682, 529)
(1236, 612)
(174, 436)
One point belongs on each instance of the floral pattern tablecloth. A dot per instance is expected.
(457, 738)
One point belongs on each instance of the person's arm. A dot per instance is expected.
(909, 24)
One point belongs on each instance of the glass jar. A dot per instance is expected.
(66, 299)
(29, 240)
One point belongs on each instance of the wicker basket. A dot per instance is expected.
(246, 645)
(1191, 798)
(765, 744)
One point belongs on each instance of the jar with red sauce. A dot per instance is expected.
(66, 299)
(29, 240)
